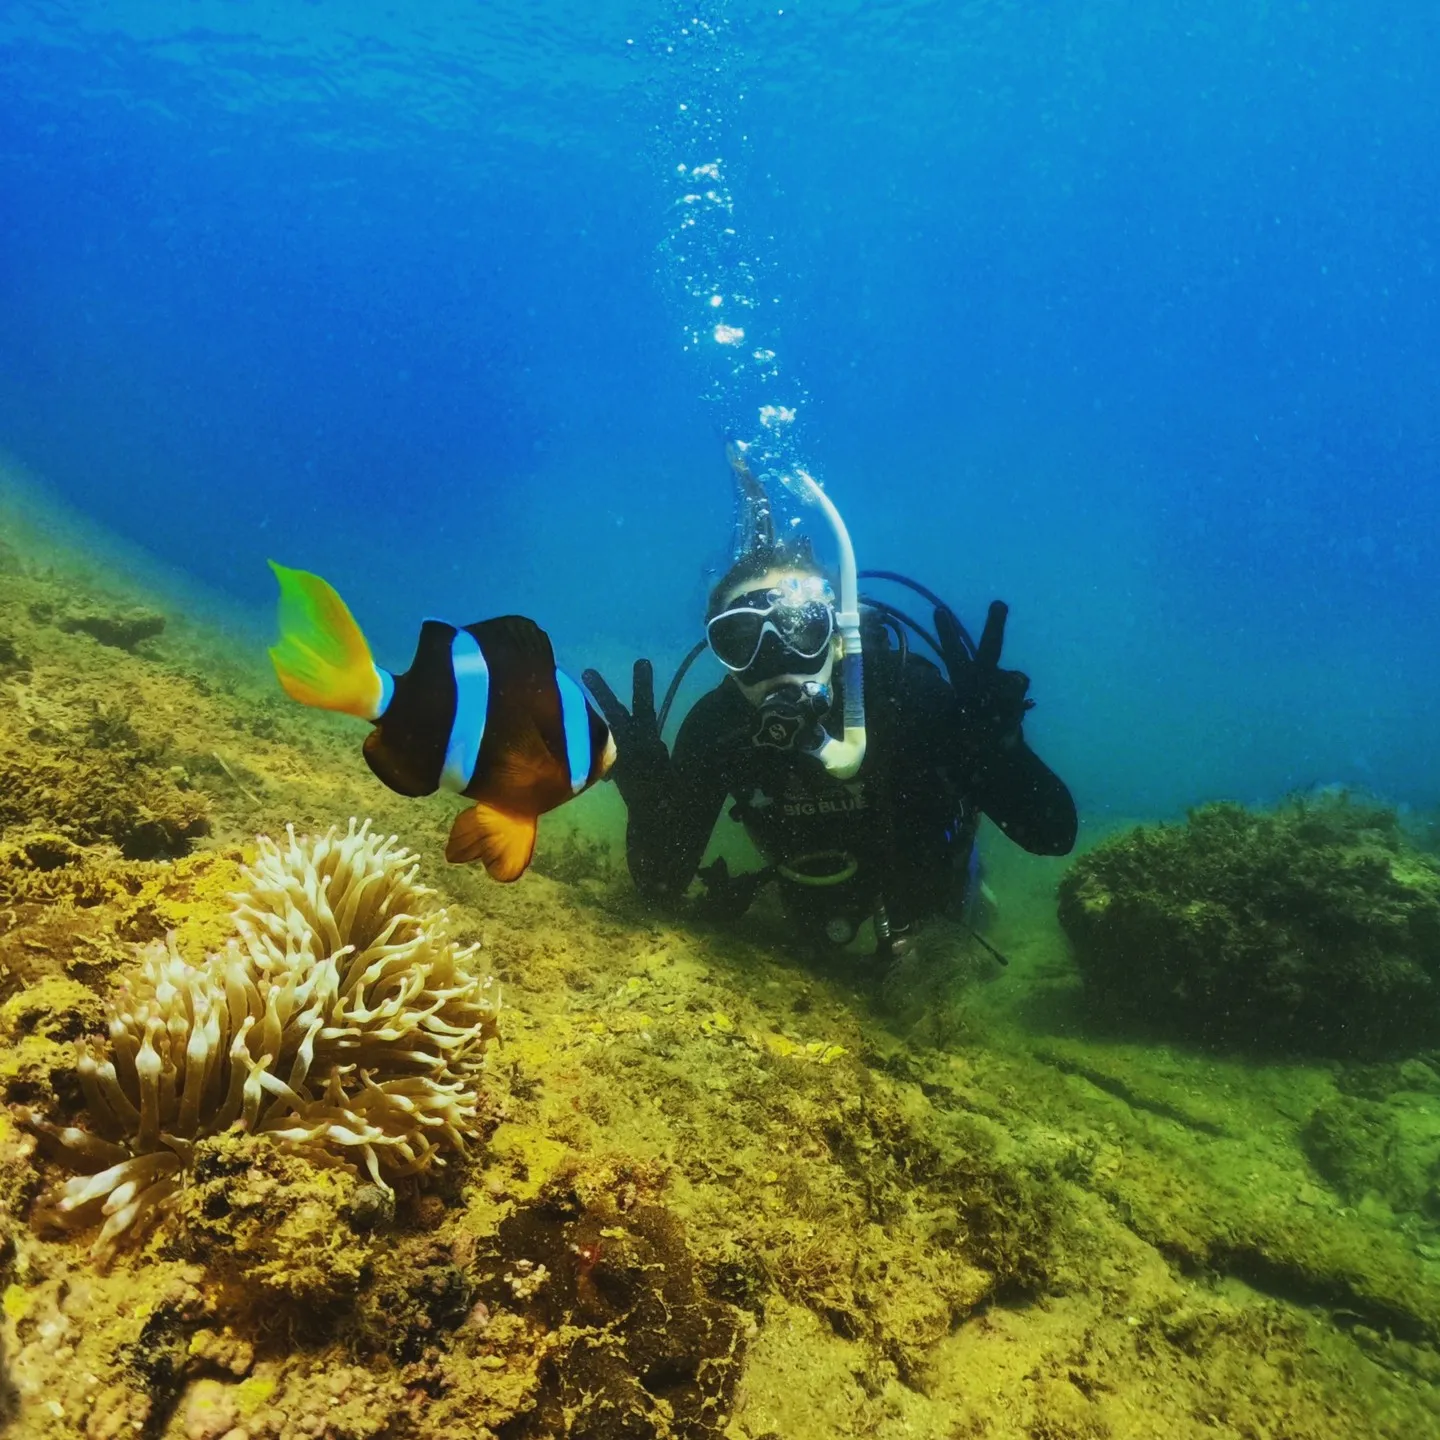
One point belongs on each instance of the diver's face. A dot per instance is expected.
(776, 630)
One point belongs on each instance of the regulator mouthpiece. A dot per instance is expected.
(789, 717)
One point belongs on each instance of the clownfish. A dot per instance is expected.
(482, 711)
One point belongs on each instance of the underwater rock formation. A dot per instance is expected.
(269, 1221)
(342, 1022)
(1312, 929)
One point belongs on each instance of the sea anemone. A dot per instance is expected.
(342, 1020)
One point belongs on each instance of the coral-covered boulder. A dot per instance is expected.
(1311, 929)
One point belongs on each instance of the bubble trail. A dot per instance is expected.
(725, 293)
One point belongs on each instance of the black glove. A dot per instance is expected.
(728, 896)
(642, 763)
(992, 700)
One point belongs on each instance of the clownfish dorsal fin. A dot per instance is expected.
(516, 636)
(502, 842)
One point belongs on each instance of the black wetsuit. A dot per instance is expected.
(905, 824)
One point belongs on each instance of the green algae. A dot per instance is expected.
(1380, 1150)
(764, 1204)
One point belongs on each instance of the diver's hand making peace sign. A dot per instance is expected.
(992, 700)
(642, 762)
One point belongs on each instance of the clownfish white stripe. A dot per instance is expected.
(575, 716)
(387, 692)
(472, 699)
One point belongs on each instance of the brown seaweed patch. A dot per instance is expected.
(122, 629)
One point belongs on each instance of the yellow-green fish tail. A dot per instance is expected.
(323, 658)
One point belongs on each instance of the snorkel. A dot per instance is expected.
(842, 757)
(755, 530)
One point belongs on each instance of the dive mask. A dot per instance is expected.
(799, 613)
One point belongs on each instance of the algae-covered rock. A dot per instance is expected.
(99, 1357)
(37, 1029)
(271, 1222)
(96, 794)
(85, 751)
(28, 866)
(630, 1337)
(419, 1294)
(18, 1183)
(13, 660)
(54, 1009)
(1315, 929)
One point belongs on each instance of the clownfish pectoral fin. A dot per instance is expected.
(526, 764)
(502, 842)
(323, 658)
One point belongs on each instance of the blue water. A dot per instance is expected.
(1126, 312)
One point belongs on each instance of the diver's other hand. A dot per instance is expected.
(641, 760)
(727, 896)
(993, 701)
(999, 703)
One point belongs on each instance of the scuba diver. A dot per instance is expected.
(859, 768)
